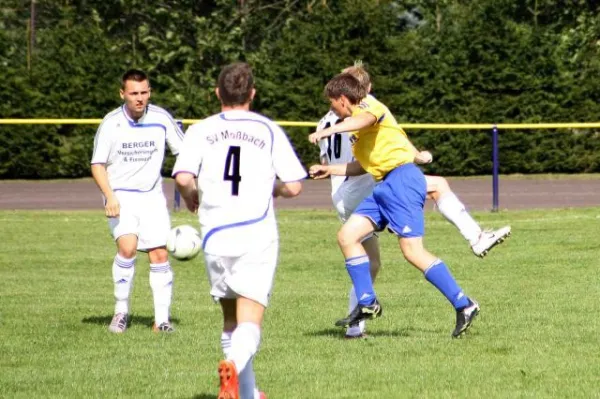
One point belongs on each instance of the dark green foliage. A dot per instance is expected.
(431, 61)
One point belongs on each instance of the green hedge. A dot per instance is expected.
(451, 61)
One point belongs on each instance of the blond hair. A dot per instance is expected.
(360, 73)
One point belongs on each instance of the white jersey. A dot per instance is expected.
(236, 156)
(134, 151)
(337, 149)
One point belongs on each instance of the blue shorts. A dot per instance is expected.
(397, 202)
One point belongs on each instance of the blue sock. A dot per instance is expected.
(439, 275)
(359, 270)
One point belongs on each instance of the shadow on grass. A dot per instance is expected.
(338, 333)
(133, 319)
(204, 396)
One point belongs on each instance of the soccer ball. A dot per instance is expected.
(184, 242)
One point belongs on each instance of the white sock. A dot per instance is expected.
(244, 345)
(352, 303)
(226, 343)
(161, 282)
(247, 378)
(450, 206)
(123, 271)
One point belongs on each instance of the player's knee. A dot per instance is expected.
(159, 255)
(437, 186)
(160, 259)
(411, 249)
(345, 237)
(127, 253)
(411, 257)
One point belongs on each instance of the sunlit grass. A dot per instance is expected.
(537, 335)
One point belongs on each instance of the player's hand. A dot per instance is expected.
(314, 137)
(423, 157)
(112, 209)
(319, 172)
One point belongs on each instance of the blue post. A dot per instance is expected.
(496, 165)
(176, 195)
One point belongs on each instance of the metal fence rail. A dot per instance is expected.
(493, 128)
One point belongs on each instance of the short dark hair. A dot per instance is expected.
(347, 85)
(135, 75)
(235, 84)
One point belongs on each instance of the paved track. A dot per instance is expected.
(476, 193)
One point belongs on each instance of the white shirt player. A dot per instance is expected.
(346, 191)
(134, 151)
(236, 156)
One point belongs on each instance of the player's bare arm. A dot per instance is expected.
(318, 172)
(350, 124)
(186, 184)
(112, 208)
(287, 190)
(423, 157)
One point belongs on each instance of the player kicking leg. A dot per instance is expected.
(450, 206)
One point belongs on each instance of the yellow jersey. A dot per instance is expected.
(383, 146)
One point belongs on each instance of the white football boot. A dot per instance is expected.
(488, 239)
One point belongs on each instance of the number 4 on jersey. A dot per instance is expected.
(232, 169)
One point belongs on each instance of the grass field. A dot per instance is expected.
(537, 335)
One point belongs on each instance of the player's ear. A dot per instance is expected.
(252, 94)
(217, 93)
(122, 94)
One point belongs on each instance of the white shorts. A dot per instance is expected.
(349, 195)
(250, 275)
(144, 214)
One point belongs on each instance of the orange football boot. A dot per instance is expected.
(229, 380)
